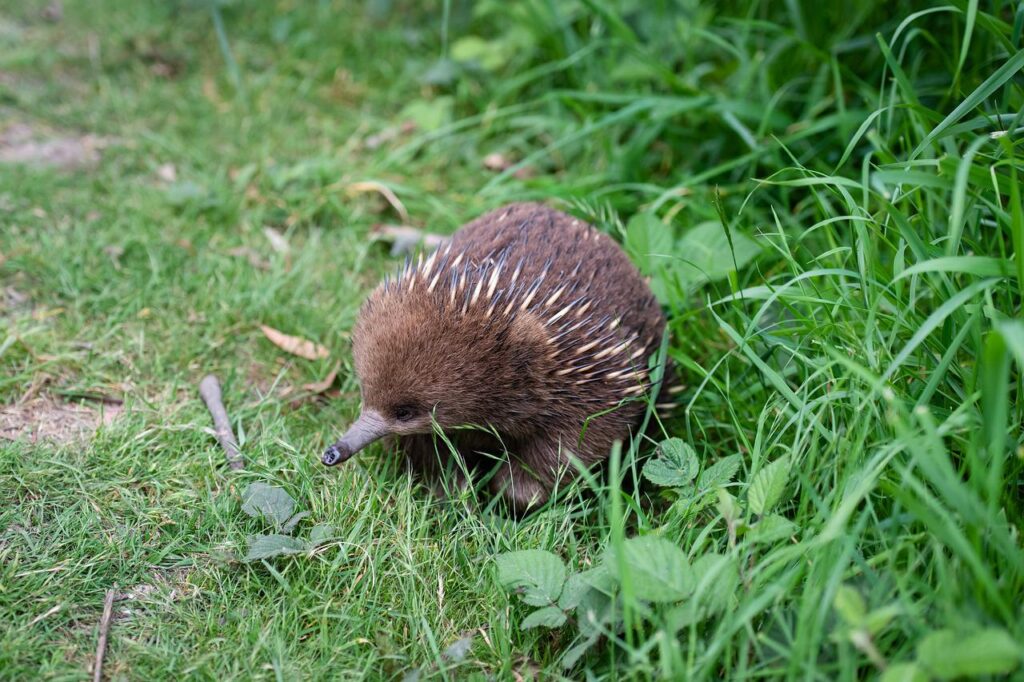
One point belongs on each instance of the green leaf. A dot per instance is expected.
(428, 115)
(320, 534)
(547, 617)
(876, 621)
(850, 606)
(675, 465)
(903, 672)
(489, 54)
(707, 256)
(290, 524)
(270, 502)
(538, 574)
(718, 474)
(948, 655)
(578, 584)
(574, 653)
(657, 568)
(267, 546)
(457, 650)
(771, 528)
(649, 242)
(727, 506)
(768, 485)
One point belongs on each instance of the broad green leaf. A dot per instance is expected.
(649, 242)
(547, 617)
(948, 655)
(538, 574)
(268, 501)
(457, 650)
(718, 474)
(320, 534)
(578, 584)
(291, 523)
(267, 546)
(903, 672)
(716, 578)
(850, 606)
(428, 115)
(768, 485)
(489, 54)
(771, 528)
(706, 255)
(574, 653)
(727, 506)
(658, 570)
(675, 465)
(876, 621)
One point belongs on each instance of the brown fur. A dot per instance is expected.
(451, 340)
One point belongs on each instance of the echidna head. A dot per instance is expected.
(423, 362)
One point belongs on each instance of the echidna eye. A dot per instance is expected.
(403, 413)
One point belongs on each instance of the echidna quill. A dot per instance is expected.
(530, 324)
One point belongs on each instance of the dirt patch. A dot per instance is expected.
(21, 143)
(47, 419)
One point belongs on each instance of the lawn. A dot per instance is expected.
(825, 196)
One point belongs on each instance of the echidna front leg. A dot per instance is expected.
(428, 460)
(520, 488)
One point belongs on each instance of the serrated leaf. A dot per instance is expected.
(728, 507)
(457, 650)
(291, 523)
(718, 474)
(903, 672)
(675, 465)
(574, 653)
(850, 606)
(579, 584)
(267, 546)
(768, 485)
(595, 613)
(657, 568)
(537, 573)
(707, 255)
(320, 534)
(270, 502)
(771, 528)
(547, 617)
(876, 621)
(649, 242)
(948, 655)
(716, 578)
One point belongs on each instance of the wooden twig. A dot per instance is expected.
(209, 389)
(101, 648)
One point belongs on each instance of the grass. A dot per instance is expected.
(872, 342)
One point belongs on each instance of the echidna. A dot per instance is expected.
(530, 324)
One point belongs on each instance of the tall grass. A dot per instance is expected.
(873, 151)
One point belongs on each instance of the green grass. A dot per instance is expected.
(873, 343)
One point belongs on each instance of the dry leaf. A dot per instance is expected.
(383, 190)
(405, 238)
(496, 162)
(296, 345)
(328, 381)
(250, 255)
(277, 240)
(167, 172)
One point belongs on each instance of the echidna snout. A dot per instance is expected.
(368, 428)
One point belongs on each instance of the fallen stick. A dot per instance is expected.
(209, 390)
(101, 648)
